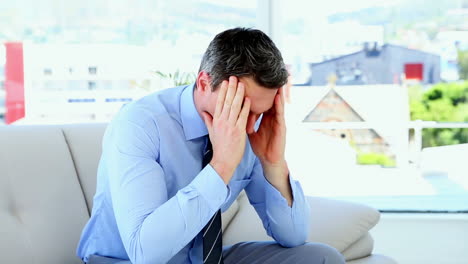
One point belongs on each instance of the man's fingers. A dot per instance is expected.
(220, 99)
(281, 92)
(231, 92)
(244, 115)
(278, 106)
(279, 102)
(237, 103)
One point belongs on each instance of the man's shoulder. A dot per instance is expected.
(165, 102)
(162, 100)
(145, 117)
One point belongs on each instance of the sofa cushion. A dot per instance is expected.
(374, 259)
(340, 223)
(336, 223)
(42, 208)
(85, 143)
(360, 249)
(229, 214)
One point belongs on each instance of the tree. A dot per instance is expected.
(445, 102)
(463, 64)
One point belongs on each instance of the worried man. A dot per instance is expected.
(174, 160)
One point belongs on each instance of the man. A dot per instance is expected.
(176, 158)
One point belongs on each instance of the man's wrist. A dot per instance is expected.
(223, 170)
(278, 176)
(277, 172)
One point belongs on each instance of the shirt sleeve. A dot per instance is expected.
(153, 227)
(289, 226)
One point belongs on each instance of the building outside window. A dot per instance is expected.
(376, 101)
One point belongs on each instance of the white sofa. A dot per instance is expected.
(47, 182)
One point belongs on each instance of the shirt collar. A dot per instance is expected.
(192, 122)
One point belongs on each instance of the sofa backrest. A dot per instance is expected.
(47, 184)
(42, 207)
(85, 143)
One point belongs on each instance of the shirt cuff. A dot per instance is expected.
(211, 187)
(273, 195)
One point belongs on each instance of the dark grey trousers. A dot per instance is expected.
(264, 253)
(273, 253)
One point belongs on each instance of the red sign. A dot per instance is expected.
(14, 82)
(414, 71)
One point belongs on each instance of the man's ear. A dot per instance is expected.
(203, 81)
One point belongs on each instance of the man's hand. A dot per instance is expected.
(227, 128)
(268, 144)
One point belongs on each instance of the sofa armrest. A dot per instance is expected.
(360, 249)
(337, 223)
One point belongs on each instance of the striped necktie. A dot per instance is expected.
(212, 234)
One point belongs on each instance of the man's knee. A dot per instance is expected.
(327, 254)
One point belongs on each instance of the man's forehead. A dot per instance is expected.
(261, 104)
(265, 95)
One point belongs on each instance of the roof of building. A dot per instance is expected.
(383, 47)
(384, 106)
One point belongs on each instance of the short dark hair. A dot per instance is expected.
(244, 52)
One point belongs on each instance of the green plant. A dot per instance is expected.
(178, 78)
(371, 158)
(463, 64)
(444, 102)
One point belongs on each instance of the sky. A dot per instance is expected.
(326, 8)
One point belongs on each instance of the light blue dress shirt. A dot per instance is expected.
(153, 197)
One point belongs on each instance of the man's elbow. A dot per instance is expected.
(289, 243)
(293, 240)
(138, 255)
(154, 257)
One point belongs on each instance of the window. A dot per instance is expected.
(88, 50)
(375, 114)
(378, 106)
(92, 70)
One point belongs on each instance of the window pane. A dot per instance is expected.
(378, 112)
(91, 57)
